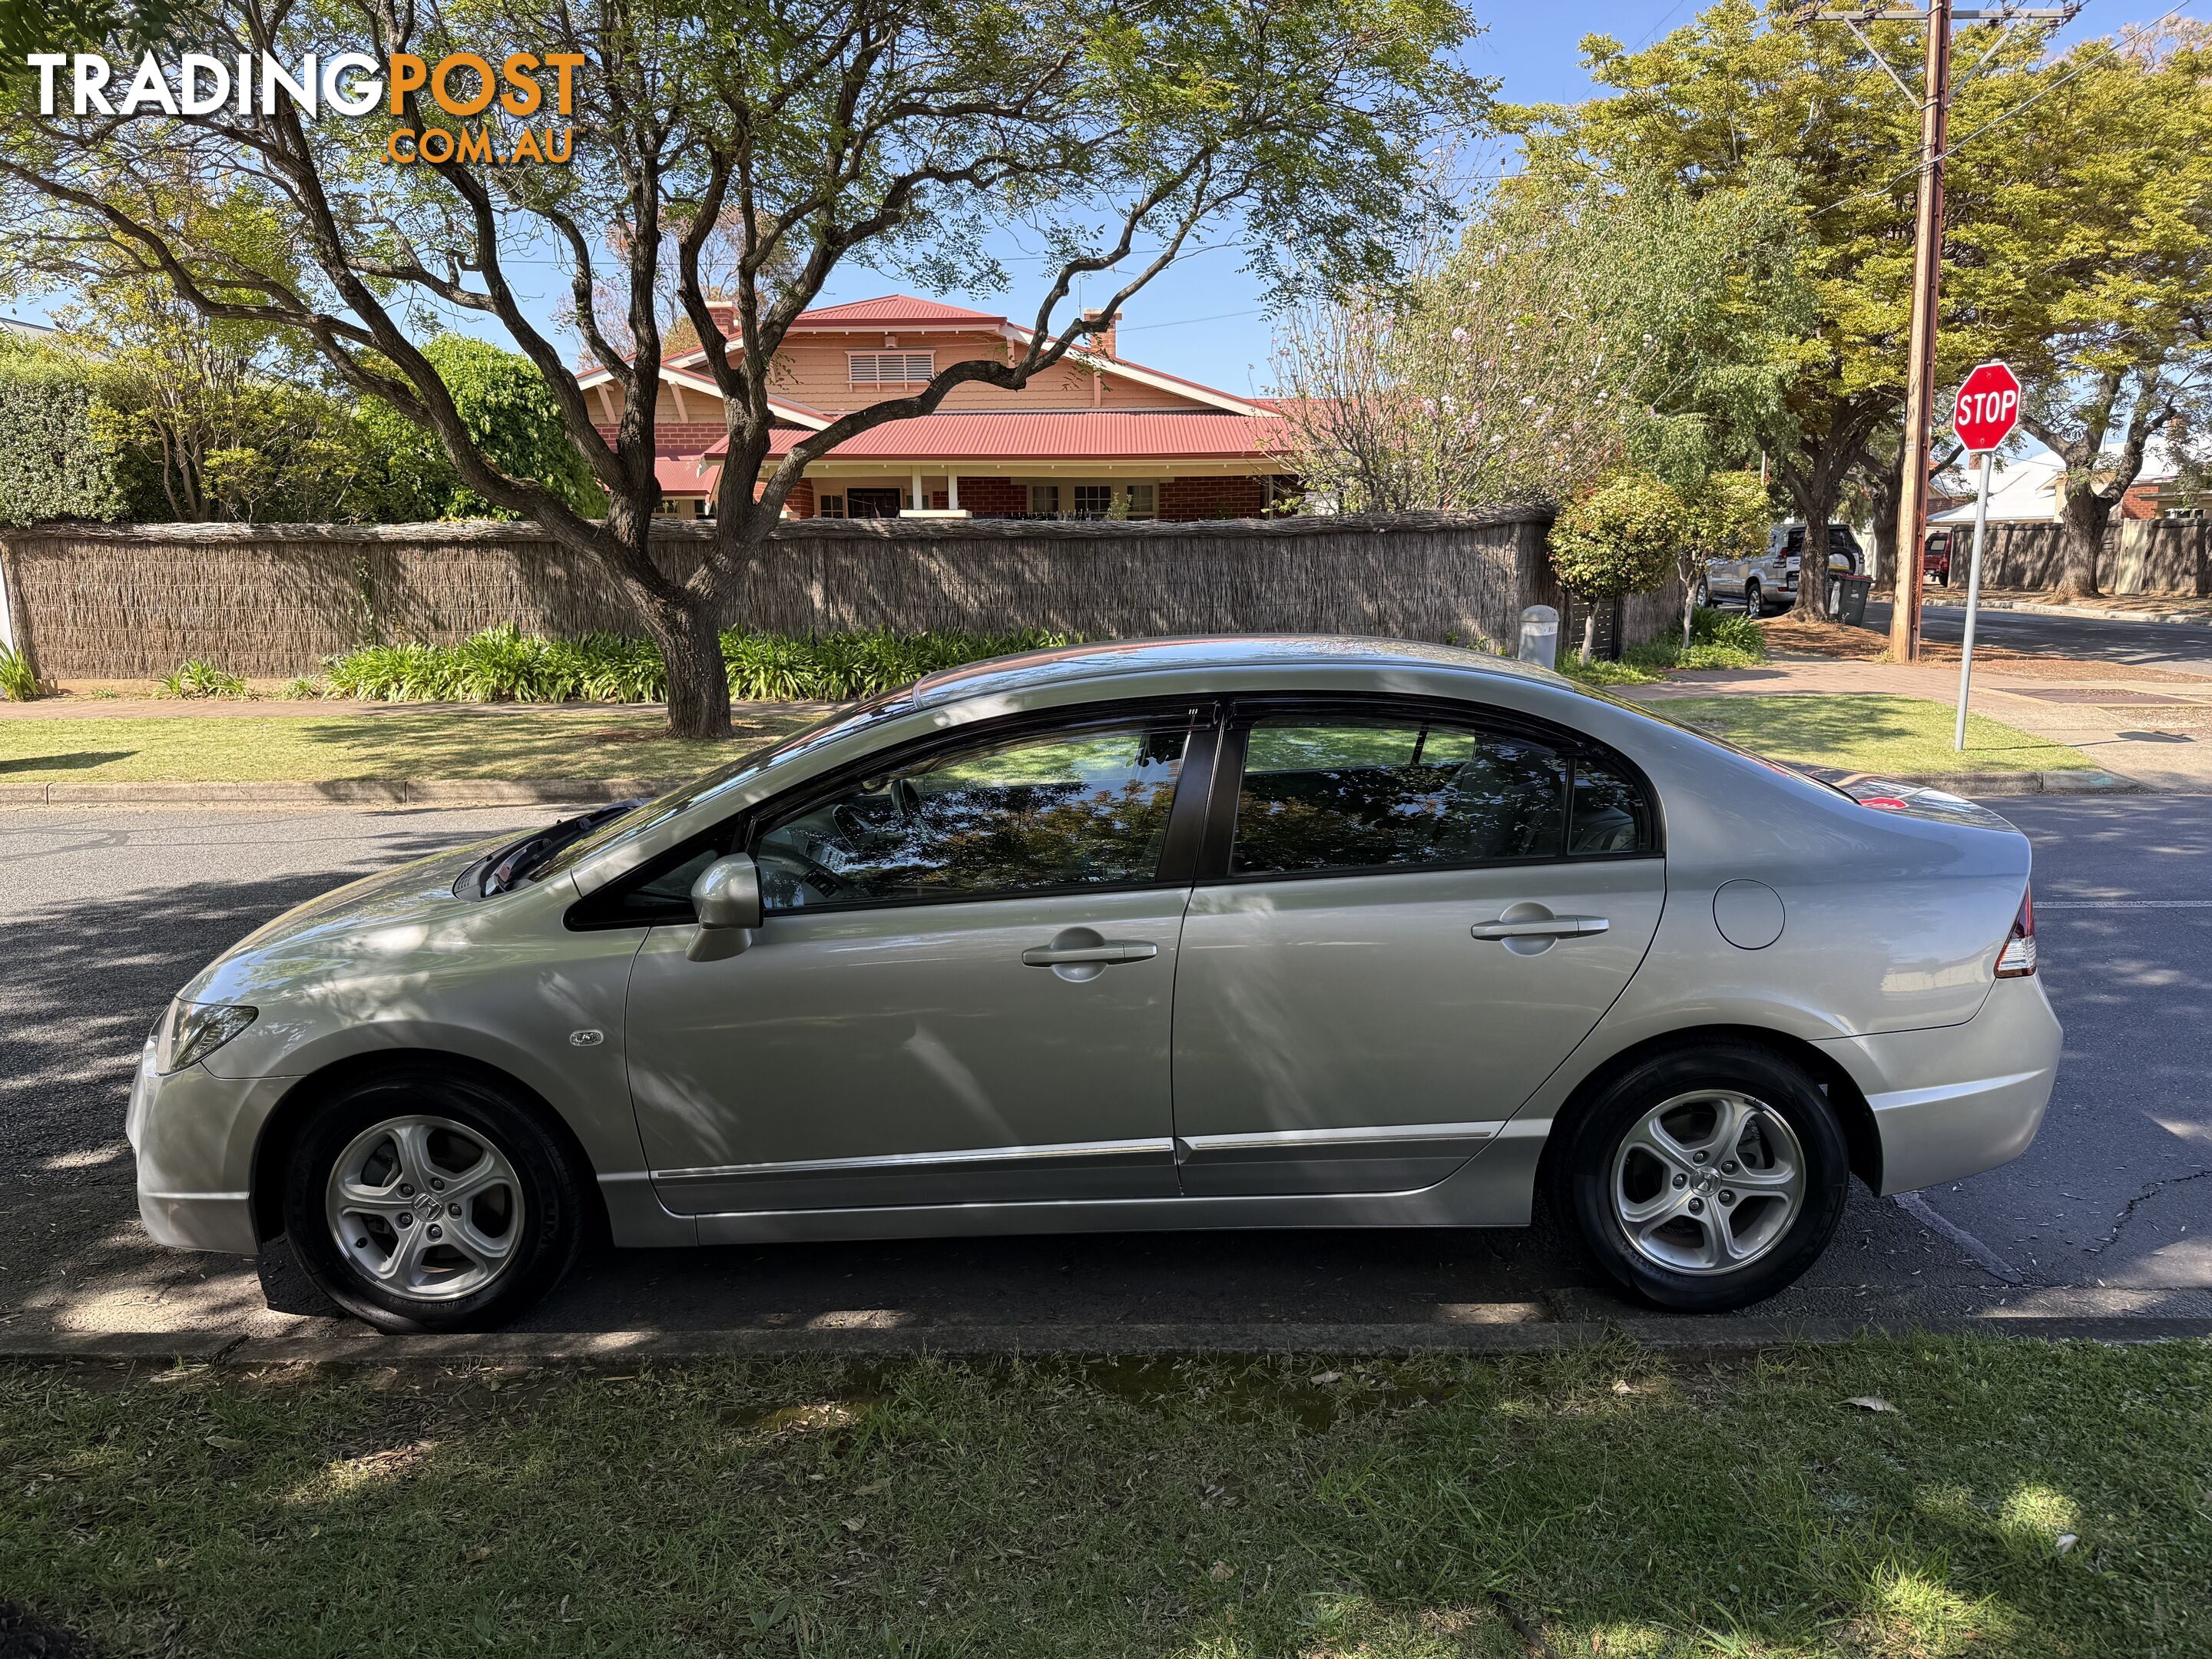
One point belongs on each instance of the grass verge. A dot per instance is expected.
(394, 744)
(1601, 1502)
(1905, 737)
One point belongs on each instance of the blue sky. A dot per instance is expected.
(1204, 318)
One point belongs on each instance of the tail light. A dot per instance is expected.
(2017, 959)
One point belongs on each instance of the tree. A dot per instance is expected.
(1574, 326)
(1738, 89)
(1618, 538)
(891, 133)
(2088, 264)
(512, 420)
(53, 463)
(1726, 518)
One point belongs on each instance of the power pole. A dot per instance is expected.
(1934, 102)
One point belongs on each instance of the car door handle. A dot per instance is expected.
(1106, 950)
(1542, 927)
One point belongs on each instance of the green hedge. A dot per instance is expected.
(504, 664)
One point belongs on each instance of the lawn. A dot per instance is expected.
(1599, 1502)
(1896, 737)
(378, 743)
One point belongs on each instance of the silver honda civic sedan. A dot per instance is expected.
(1214, 933)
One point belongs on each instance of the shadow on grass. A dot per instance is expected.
(79, 761)
(1602, 1500)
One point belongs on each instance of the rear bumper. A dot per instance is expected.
(1957, 1100)
(193, 1135)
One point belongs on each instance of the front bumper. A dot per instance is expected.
(1952, 1101)
(193, 1133)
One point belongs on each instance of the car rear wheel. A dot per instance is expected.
(1754, 603)
(1704, 595)
(1705, 1180)
(431, 1202)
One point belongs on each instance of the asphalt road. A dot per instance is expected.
(2139, 645)
(104, 913)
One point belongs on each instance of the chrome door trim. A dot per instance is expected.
(1393, 1135)
(1105, 1153)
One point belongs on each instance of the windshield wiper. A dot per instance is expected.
(522, 860)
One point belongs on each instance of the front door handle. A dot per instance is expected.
(1542, 927)
(1106, 950)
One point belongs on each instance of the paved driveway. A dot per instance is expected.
(103, 914)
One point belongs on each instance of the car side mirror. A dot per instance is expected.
(728, 898)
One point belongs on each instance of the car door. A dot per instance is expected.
(1406, 918)
(961, 991)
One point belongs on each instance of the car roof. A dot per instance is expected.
(1197, 656)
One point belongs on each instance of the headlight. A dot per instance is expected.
(190, 1031)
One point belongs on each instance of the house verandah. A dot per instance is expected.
(1096, 437)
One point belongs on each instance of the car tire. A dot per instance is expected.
(1703, 595)
(1776, 1191)
(1755, 602)
(502, 1227)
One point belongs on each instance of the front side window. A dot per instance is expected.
(1053, 812)
(1348, 793)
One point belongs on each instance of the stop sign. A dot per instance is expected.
(1989, 407)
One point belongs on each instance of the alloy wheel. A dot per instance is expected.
(1708, 1182)
(425, 1207)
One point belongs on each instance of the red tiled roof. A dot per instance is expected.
(685, 474)
(1108, 435)
(890, 309)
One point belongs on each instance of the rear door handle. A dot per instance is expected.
(1106, 950)
(1542, 927)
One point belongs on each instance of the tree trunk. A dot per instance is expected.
(1818, 499)
(1887, 491)
(2084, 512)
(1590, 630)
(698, 682)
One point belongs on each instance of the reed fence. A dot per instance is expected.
(94, 601)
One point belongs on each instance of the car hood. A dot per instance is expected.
(374, 918)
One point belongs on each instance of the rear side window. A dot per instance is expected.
(1610, 813)
(1354, 793)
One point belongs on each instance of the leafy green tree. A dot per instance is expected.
(53, 464)
(1573, 327)
(1727, 517)
(1620, 536)
(891, 133)
(2086, 261)
(512, 420)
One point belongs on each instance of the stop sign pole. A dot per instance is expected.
(1987, 410)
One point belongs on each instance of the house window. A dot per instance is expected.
(832, 507)
(1044, 500)
(891, 368)
(1094, 500)
(1144, 501)
(673, 507)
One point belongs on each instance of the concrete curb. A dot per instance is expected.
(2014, 783)
(355, 1346)
(342, 792)
(2185, 618)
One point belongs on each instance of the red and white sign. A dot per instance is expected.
(1989, 407)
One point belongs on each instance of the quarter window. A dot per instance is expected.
(1069, 810)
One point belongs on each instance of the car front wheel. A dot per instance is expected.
(1705, 1180)
(425, 1200)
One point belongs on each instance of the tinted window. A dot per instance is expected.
(1072, 809)
(1610, 812)
(1349, 794)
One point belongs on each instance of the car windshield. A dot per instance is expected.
(724, 779)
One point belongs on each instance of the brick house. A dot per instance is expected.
(1097, 436)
